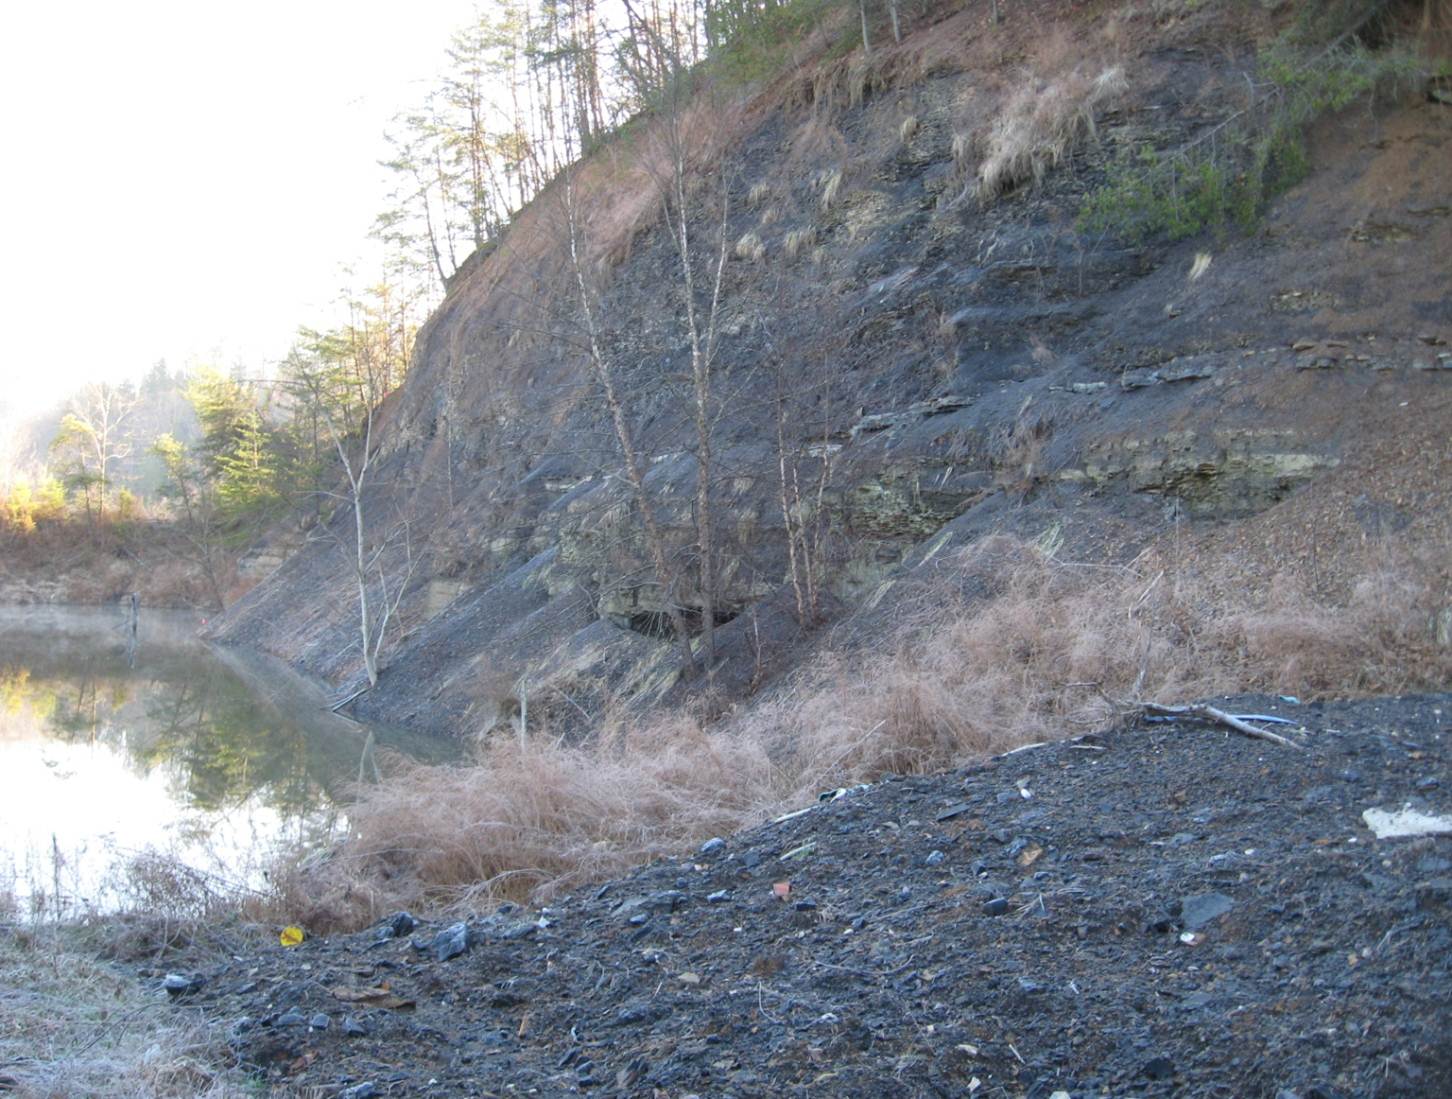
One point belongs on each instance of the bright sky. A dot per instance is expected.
(185, 180)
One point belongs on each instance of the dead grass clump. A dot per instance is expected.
(750, 248)
(830, 183)
(1018, 464)
(1008, 665)
(162, 885)
(758, 194)
(618, 190)
(945, 331)
(816, 139)
(852, 79)
(533, 820)
(908, 129)
(798, 241)
(1384, 640)
(1044, 649)
(1041, 124)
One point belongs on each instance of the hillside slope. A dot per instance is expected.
(923, 363)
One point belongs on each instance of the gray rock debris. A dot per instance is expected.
(1203, 908)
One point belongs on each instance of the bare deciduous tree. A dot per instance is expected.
(604, 374)
(381, 555)
(801, 497)
(702, 301)
(94, 432)
(701, 334)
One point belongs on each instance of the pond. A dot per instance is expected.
(171, 754)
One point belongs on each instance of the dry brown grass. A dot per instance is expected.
(1018, 461)
(73, 1026)
(816, 139)
(750, 247)
(620, 192)
(168, 890)
(74, 561)
(941, 45)
(531, 821)
(830, 183)
(1013, 646)
(1041, 123)
(1054, 648)
(798, 241)
(945, 333)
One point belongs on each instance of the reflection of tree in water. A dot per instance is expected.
(226, 737)
(195, 718)
(229, 749)
(87, 703)
(20, 697)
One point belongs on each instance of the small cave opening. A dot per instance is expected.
(657, 624)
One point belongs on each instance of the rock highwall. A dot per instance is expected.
(920, 369)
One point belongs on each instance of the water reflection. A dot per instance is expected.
(210, 756)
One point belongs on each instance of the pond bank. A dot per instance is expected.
(73, 563)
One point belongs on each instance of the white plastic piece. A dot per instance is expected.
(1404, 823)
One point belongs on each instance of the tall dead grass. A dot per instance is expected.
(530, 821)
(1014, 646)
(1041, 123)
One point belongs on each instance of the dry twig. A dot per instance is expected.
(1220, 717)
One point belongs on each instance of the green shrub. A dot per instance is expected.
(128, 506)
(1225, 177)
(750, 39)
(24, 505)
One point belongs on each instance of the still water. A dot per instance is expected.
(109, 756)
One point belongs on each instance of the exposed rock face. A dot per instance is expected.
(1217, 473)
(918, 369)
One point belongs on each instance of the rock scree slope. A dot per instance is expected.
(1165, 909)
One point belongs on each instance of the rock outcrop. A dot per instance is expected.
(919, 368)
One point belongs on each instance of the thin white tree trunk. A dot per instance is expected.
(634, 470)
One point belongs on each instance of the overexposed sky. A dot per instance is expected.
(185, 179)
